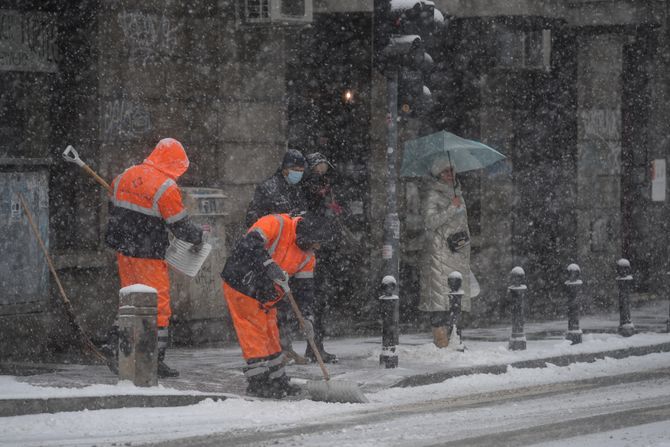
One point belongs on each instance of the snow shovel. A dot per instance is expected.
(72, 156)
(327, 390)
(178, 255)
(69, 311)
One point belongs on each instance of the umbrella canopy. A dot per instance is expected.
(465, 155)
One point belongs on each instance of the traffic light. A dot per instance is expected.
(418, 17)
(414, 98)
(402, 28)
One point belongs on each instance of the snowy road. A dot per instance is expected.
(609, 402)
(525, 416)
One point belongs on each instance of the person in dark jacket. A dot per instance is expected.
(256, 277)
(146, 203)
(280, 193)
(320, 201)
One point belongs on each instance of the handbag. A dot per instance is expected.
(458, 240)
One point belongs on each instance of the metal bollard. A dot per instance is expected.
(138, 339)
(455, 281)
(517, 341)
(625, 282)
(573, 285)
(390, 309)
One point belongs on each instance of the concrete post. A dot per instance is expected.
(138, 342)
(390, 309)
(625, 282)
(517, 341)
(573, 286)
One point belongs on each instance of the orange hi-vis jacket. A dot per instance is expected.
(272, 237)
(146, 201)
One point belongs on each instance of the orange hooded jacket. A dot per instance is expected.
(271, 238)
(146, 201)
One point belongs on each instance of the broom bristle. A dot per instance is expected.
(336, 391)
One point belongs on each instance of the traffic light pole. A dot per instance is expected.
(390, 300)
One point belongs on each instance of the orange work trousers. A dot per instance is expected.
(153, 273)
(255, 324)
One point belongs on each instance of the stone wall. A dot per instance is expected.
(599, 159)
(128, 74)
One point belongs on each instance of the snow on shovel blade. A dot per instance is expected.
(335, 391)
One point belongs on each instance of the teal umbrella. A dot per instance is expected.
(465, 155)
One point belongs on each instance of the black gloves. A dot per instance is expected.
(276, 274)
(206, 228)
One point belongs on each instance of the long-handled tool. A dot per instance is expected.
(83, 335)
(176, 256)
(72, 156)
(328, 390)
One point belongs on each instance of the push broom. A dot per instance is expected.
(326, 390)
(69, 311)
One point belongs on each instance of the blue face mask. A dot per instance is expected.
(294, 177)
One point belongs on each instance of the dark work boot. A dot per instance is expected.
(259, 386)
(165, 371)
(283, 387)
(290, 355)
(325, 356)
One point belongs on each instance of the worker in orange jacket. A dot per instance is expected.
(276, 248)
(145, 204)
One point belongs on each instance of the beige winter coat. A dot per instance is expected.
(441, 220)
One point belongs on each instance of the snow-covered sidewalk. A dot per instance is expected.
(218, 371)
(139, 425)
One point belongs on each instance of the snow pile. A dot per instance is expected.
(137, 425)
(11, 388)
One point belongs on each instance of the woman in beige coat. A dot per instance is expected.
(447, 248)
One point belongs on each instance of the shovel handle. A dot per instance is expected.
(309, 337)
(70, 154)
(97, 178)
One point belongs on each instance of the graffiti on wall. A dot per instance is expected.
(28, 42)
(148, 37)
(601, 123)
(124, 119)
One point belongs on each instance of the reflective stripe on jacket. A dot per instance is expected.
(146, 201)
(272, 237)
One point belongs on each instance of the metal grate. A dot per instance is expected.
(256, 10)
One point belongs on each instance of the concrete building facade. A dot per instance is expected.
(574, 93)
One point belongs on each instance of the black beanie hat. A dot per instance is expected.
(313, 229)
(293, 157)
(315, 158)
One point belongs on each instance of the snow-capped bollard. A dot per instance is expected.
(138, 340)
(517, 341)
(573, 286)
(624, 282)
(390, 309)
(455, 281)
